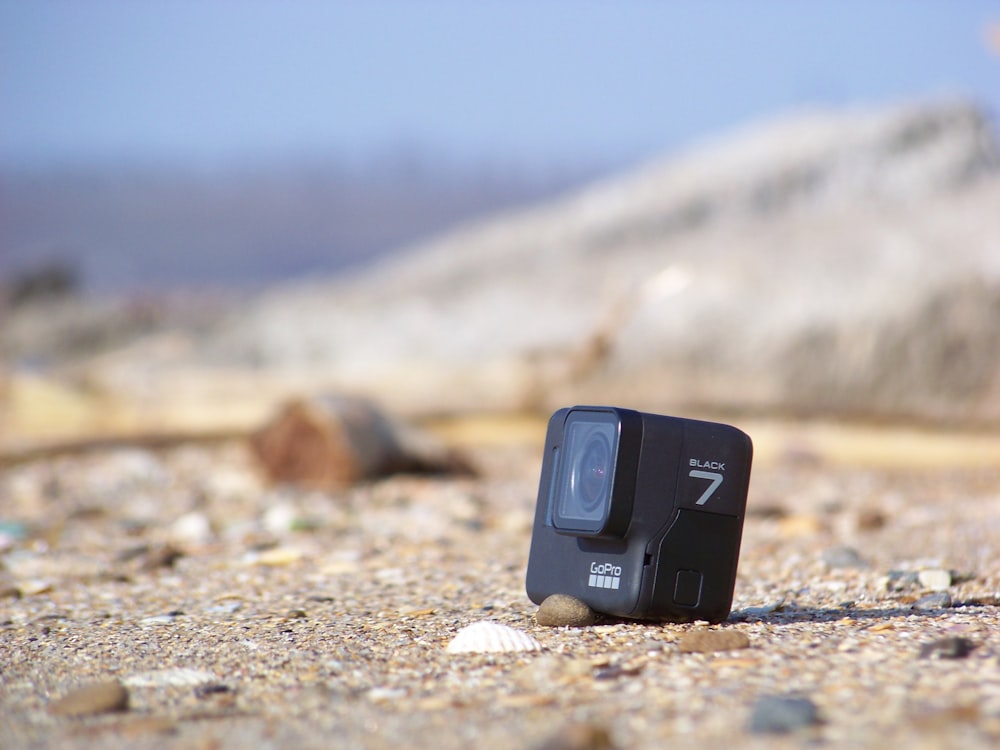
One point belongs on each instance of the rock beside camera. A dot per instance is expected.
(563, 610)
(332, 441)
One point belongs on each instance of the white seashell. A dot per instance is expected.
(181, 676)
(487, 637)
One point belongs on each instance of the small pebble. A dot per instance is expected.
(947, 648)
(900, 580)
(615, 671)
(935, 580)
(843, 557)
(193, 527)
(147, 557)
(160, 556)
(214, 688)
(766, 510)
(385, 695)
(940, 600)
(146, 725)
(580, 737)
(799, 526)
(95, 698)
(563, 610)
(168, 618)
(276, 557)
(705, 641)
(870, 520)
(774, 714)
(11, 532)
(34, 587)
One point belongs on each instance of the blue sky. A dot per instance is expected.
(527, 82)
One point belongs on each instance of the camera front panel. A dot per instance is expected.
(580, 546)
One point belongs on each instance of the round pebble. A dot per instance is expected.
(562, 610)
(193, 527)
(775, 714)
(705, 641)
(94, 698)
(940, 600)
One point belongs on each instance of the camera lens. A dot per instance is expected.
(585, 479)
(590, 479)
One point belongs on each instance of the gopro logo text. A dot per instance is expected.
(605, 576)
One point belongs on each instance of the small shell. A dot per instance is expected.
(491, 637)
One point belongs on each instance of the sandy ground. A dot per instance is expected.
(237, 614)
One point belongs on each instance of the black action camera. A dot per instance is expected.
(640, 515)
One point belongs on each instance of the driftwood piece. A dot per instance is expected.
(331, 441)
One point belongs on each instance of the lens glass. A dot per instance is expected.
(587, 469)
(590, 475)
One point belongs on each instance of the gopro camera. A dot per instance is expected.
(640, 515)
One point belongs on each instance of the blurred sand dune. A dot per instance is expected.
(840, 265)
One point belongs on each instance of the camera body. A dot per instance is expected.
(640, 515)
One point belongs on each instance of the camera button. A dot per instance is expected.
(687, 588)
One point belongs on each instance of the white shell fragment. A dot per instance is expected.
(487, 637)
(935, 580)
(181, 676)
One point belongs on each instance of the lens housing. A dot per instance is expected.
(592, 493)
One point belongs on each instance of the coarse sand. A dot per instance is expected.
(237, 614)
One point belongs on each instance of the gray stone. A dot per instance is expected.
(938, 600)
(560, 610)
(900, 580)
(843, 557)
(774, 714)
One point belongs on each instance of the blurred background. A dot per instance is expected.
(243, 175)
